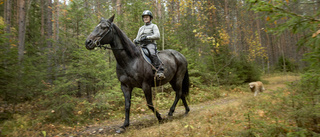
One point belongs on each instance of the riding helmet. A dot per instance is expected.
(147, 13)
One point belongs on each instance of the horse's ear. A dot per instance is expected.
(111, 18)
(102, 19)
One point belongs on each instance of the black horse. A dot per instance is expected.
(134, 71)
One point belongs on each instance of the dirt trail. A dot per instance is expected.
(108, 128)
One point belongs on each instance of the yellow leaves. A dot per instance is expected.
(44, 133)
(261, 113)
(212, 7)
(265, 30)
(316, 33)
(255, 48)
(1, 21)
(200, 53)
(188, 126)
(287, 1)
(177, 25)
(79, 112)
(268, 18)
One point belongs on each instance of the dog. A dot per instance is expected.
(256, 87)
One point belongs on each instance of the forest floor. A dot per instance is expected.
(225, 116)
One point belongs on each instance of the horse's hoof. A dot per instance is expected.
(161, 121)
(120, 130)
(170, 117)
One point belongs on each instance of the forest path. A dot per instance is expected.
(138, 122)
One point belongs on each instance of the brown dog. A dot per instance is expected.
(256, 87)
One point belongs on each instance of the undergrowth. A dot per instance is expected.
(269, 114)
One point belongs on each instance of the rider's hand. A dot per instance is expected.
(143, 38)
(136, 41)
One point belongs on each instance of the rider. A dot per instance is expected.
(146, 37)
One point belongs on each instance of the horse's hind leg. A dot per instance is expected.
(183, 98)
(173, 107)
(177, 87)
(178, 91)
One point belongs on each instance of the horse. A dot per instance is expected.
(133, 71)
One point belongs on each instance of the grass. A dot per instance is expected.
(223, 111)
(237, 114)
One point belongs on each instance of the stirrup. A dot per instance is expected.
(160, 75)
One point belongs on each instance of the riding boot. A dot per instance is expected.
(157, 64)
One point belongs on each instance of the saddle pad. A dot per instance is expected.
(146, 58)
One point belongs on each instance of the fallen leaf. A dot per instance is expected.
(316, 33)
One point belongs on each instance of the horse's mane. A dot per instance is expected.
(130, 47)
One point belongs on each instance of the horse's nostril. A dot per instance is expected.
(88, 42)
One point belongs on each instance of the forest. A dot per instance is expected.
(50, 83)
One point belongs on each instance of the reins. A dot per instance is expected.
(105, 47)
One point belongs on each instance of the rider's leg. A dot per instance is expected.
(155, 60)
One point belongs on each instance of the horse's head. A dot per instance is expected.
(101, 34)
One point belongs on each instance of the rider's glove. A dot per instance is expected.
(136, 41)
(143, 38)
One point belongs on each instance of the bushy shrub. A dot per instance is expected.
(236, 70)
(62, 109)
(305, 102)
(285, 64)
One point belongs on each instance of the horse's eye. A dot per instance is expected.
(104, 25)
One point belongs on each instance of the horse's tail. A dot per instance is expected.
(185, 84)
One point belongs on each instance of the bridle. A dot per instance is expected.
(103, 34)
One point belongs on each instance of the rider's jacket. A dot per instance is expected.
(151, 31)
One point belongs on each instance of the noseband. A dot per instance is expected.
(97, 42)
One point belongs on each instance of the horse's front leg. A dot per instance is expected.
(127, 96)
(148, 94)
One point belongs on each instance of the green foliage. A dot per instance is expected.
(247, 71)
(286, 65)
(304, 96)
(62, 109)
(305, 101)
(20, 125)
(228, 69)
(85, 85)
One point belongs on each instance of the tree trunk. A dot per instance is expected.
(43, 14)
(159, 9)
(260, 40)
(49, 37)
(56, 20)
(56, 35)
(178, 11)
(22, 29)
(226, 13)
(16, 10)
(118, 7)
(7, 16)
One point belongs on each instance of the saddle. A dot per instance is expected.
(146, 56)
